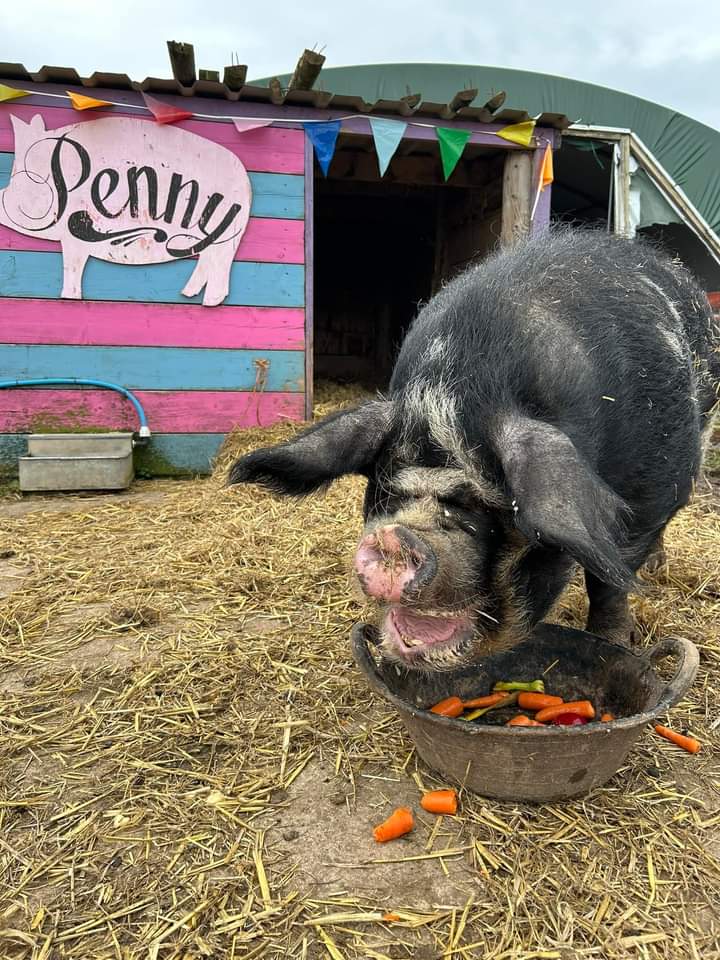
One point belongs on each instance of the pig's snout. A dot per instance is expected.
(393, 564)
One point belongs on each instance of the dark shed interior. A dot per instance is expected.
(383, 246)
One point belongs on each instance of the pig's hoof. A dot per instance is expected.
(656, 561)
(624, 631)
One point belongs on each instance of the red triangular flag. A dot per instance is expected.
(163, 112)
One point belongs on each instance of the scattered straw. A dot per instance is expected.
(176, 692)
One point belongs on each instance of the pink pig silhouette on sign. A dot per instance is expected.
(129, 191)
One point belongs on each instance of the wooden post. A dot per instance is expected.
(517, 196)
(621, 183)
(182, 61)
(234, 76)
(307, 70)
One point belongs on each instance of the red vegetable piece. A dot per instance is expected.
(569, 720)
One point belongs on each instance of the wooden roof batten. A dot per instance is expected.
(187, 81)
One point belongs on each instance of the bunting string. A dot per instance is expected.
(323, 133)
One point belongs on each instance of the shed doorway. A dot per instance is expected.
(383, 246)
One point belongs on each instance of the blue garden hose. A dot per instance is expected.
(65, 381)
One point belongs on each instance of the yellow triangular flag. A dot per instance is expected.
(81, 102)
(10, 93)
(518, 132)
(546, 173)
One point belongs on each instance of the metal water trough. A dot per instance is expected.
(72, 461)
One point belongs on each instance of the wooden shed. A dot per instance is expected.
(179, 240)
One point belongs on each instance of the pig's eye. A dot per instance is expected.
(454, 515)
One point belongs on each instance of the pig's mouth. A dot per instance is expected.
(434, 640)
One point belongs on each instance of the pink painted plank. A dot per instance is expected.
(266, 240)
(108, 323)
(268, 150)
(33, 409)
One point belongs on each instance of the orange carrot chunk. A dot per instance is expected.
(537, 701)
(687, 743)
(397, 825)
(391, 917)
(440, 801)
(449, 707)
(522, 721)
(582, 708)
(607, 718)
(488, 701)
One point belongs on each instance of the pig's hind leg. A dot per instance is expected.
(197, 279)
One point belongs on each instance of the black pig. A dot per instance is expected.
(548, 407)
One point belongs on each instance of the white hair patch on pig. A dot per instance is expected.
(437, 349)
(670, 329)
(442, 482)
(431, 405)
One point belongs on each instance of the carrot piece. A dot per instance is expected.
(537, 701)
(449, 707)
(488, 701)
(583, 708)
(522, 721)
(399, 823)
(440, 801)
(391, 917)
(607, 717)
(687, 743)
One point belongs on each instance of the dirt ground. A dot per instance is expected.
(191, 764)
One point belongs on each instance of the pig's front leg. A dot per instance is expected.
(75, 256)
(609, 614)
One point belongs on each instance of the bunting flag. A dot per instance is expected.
(81, 102)
(323, 137)
(452, 143)
(546, 176)
(387, 135)
(10, 93)
(242, 126)
(520, 133)
(163, 112)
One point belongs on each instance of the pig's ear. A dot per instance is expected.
(560, 501)
(345, 442)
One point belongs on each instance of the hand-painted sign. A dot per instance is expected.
(132, 192)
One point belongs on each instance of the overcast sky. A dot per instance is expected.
(662, 50)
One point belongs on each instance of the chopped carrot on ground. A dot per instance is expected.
(399, 823)
(607, 717)
(440, 801)
(391, 917)
(537, 701)
(449, 707)
(582, 708)
(522, 721)
(687, 743)
(487, 701)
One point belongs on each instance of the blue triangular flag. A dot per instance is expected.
(323, 137)
(387, 134)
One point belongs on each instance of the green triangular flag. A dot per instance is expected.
(452, 143)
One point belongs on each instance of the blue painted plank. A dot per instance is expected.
(165, 455)
(274, 194)
(156, 368)
(31, 273)
(178, 454)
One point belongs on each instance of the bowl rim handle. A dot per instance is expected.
(689, 661)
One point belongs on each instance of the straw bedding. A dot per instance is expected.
(190, 764)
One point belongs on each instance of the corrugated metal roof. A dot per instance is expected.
(411, 105)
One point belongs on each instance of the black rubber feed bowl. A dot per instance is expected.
(533, 763)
